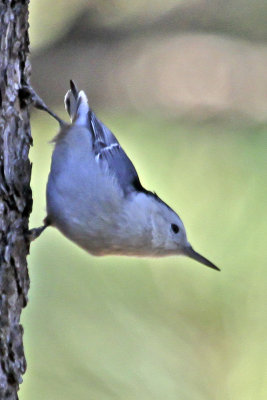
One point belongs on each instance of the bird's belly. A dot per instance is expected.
(98, 230)
(89, 209)
(87, 217)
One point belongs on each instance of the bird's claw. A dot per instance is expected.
(28, 95)
(34, 233)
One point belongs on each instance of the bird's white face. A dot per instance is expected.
(168, 231)
(169, 235)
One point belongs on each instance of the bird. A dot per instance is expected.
(95, 197)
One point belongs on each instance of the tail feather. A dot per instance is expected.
(76, 104)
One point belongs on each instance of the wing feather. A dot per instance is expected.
(107, 150)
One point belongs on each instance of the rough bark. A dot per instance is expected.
(15, 193)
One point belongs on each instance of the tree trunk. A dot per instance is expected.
(15, 192)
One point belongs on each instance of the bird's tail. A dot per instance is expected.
(76, 104)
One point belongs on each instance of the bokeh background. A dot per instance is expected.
(183, 85)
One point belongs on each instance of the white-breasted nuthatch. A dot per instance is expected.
(95, 197)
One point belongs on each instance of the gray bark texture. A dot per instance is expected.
(15, 192)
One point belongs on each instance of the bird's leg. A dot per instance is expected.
(27, 94)
(36, 232)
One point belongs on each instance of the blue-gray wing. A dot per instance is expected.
(108, 152)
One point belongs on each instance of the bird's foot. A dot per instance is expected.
(35, 232)
(28, 96)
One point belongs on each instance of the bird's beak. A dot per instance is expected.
(190, 252)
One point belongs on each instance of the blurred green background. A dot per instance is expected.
(126, 328)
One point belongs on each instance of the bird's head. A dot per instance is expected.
(169, 235)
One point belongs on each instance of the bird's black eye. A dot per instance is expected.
(175, 228)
